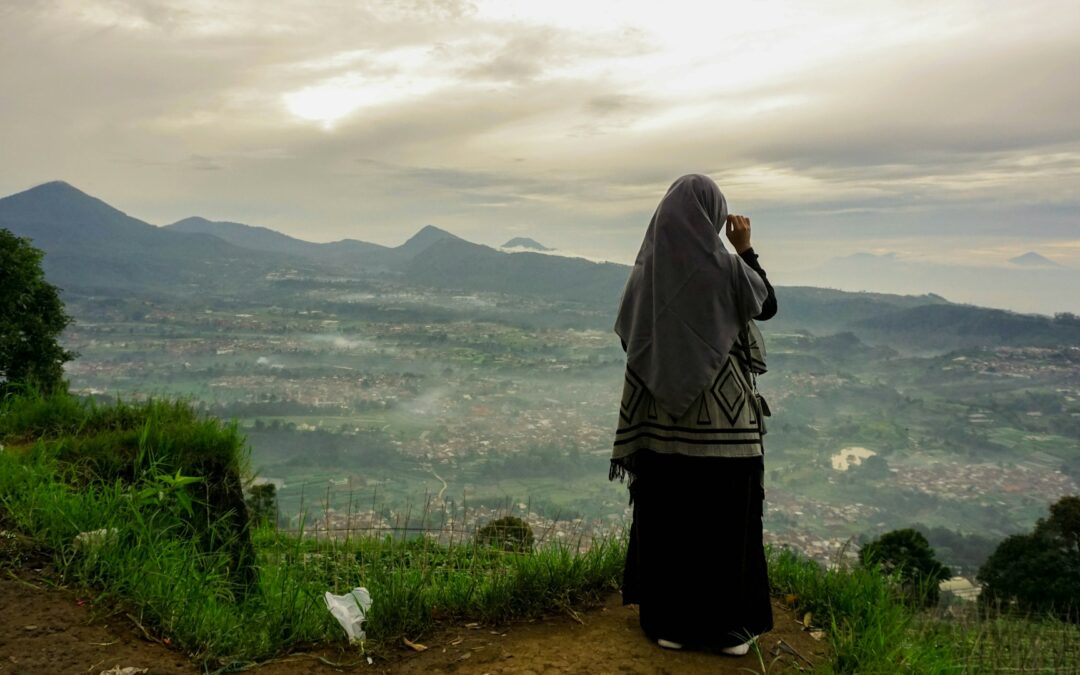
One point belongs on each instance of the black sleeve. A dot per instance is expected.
(768, 308)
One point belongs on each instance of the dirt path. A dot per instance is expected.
(44, 629)
(608, 640)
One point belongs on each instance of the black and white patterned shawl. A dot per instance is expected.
(725, 420)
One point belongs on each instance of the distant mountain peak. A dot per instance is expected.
(427, 235)
(1033, 259)
(52, 184)
(55, 188)
(58, 202)
(526, 242)
(191, 220)
(430, 231)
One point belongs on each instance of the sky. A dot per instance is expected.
(935, 135)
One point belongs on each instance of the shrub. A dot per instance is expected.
(908, 554)
(508, 533)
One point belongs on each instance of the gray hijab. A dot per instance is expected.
(687, 298)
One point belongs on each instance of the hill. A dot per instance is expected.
(949, 326)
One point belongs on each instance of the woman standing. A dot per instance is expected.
(690, 429)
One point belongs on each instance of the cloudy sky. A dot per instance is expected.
(944, 132)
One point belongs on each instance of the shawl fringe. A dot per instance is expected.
(621, 469)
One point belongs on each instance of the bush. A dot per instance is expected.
(508, 533)
(907, 554)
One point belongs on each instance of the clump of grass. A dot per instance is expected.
(165, 448)
(869, 628)
(874, 626)
(416, 582)
(122, 440)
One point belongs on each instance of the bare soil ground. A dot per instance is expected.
(45, 629)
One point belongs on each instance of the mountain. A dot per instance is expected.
(424, 238)
(91, 246)
(246, 236)
(527, 243)
(346, 252)
(58, 213)
(1033, 259)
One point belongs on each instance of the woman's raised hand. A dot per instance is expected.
(738, 232)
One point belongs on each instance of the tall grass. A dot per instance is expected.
(869, 628)
(184, 593)
(59, 477)
(873, 627)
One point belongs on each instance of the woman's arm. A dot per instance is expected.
(768, 308)
(738, 233)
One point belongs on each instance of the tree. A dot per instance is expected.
(874, 467)
(509, 533)
(31, 319)
(262, 504)
(908, 553)
(1063, 524)
(1040, 571)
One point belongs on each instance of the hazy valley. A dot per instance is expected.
(443, 379)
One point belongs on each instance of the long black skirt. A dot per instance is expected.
(695, 565)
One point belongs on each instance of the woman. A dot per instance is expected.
(691, 423)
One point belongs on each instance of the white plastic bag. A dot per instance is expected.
(350, 610)
(90, 542)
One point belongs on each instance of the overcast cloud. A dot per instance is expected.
(939, 130)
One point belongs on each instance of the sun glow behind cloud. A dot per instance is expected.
(381, 79)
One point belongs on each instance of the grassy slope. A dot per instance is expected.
(151, 560)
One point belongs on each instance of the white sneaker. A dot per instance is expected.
(737, 650)
(668, 644)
